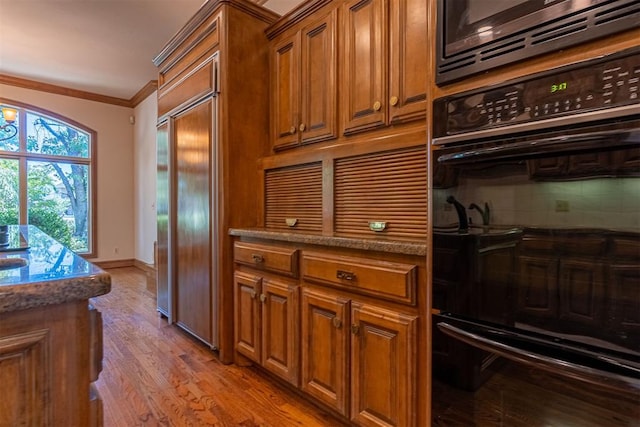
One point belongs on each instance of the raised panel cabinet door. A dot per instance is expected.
(364, 64)
(582, 290)
(193, 135)
(408, 69)
(280, 315)
(325, 348)
(247, 316)
(383, 367)
(537, 287)
(285, 92)
(318, 76)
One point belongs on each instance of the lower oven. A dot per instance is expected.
(536, 249)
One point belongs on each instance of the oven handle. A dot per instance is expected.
(530, 148)
(540, 361)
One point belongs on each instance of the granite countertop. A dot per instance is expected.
(381, 244)
(53, 274)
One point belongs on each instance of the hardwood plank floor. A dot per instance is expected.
(154, 374)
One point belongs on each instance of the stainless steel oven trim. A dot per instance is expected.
(547, 124)
(549, 364)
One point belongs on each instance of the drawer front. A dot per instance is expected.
(383, 279)
(277, 259)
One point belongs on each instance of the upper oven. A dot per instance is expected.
(477, 35)
(536, 225)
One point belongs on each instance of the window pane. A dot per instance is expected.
(10, 132)
(48, 136)
(58, 195)
(9, 202)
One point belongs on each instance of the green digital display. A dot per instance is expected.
(558, 87)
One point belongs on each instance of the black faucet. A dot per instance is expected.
(486, 213)
(463, 223)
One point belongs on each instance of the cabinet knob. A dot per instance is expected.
(355, 329)
(263, 297)
(292, 130)
(376, 106)
(393, 101)
(337, 322)
(257, 258)
(302, 127)
(253, 294)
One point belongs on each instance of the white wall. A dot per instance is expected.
(144, 179)
(115, 204)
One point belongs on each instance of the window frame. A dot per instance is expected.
(23, 156)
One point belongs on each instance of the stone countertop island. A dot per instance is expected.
(50, 336)
(53, 275)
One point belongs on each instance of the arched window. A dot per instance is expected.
(47, 174)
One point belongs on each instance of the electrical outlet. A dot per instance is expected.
(115, 250)
(562, 206)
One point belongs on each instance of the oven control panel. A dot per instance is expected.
(594, 85)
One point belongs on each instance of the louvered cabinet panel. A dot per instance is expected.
(293, 197)
(387, 188)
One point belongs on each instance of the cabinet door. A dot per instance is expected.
(193, 136)
(364, 64)
(537, 290)
(408, 60)
(285, 92)
(318, 88)
(246, 313)
(383, 367)
(280, 345)
(582, 291)
(325, 358)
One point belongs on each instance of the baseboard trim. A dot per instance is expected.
(147, 268)
(115, 263)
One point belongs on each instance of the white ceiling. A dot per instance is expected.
(100, 46)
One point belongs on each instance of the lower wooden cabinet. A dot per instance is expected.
(266, 322)
(356, 349)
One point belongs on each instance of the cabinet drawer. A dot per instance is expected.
(266, 257)
(388, 280)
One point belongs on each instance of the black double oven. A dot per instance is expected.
(536, 237)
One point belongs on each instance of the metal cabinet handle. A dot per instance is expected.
(345, 275)
(253, 294)
(292, 130)
(355, 329)
(257, 258)
(393, 101)
(376, 106)
(302, 127)
(337, 322)
(263, 297)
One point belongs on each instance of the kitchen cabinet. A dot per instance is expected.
(561, 279)
(360, 315)
(266, 309)
(383, 60)
(205, 161)
(49, 358)
(303, 84)
(373, 348)
(611, 163)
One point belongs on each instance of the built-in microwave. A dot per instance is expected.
(477, 35)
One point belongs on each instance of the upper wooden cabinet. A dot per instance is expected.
(384, 62)
(303, 84)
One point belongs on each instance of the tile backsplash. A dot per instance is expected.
(612, 203)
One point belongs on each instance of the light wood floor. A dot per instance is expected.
(154, 374)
